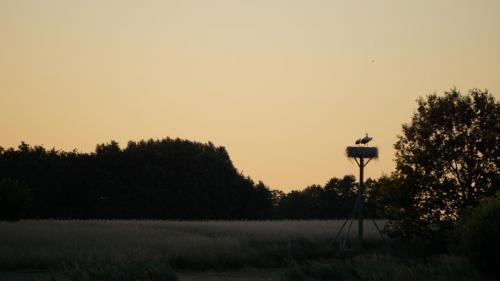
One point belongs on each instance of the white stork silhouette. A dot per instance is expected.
(364, 140)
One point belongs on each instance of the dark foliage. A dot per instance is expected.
(163, 179)
(335, 200)
(447, 159)
(14, 200)
(479, 236)
(155, 179)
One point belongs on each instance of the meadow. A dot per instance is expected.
(209, 250)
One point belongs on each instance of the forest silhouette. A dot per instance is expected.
(158, 179)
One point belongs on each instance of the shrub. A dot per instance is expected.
(14, 200)
(479, 235)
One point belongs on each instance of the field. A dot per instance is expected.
(214, 250)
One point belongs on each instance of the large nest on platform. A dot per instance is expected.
(362, 152)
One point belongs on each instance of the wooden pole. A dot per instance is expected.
(361, 199)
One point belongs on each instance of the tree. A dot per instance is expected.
(153, 179)
(263, 202)
(339, 197)
(14, 200)
(447, 159)
(386, 197)
(335, 200)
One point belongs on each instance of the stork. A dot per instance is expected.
(364, 140)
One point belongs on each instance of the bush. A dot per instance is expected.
(479, 235)
(14, 200)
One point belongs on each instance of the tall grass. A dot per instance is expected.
(148, 250)
(194, 245)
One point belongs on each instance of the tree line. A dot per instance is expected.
(156, 179)
(447, 161)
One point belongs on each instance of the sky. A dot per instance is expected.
(285, 86)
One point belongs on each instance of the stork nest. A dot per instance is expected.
(362, 152)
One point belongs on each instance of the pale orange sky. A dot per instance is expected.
(285, 86)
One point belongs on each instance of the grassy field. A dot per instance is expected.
(215, 250)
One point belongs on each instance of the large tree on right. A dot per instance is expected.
(447, 159)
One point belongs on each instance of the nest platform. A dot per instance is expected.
(362, 152)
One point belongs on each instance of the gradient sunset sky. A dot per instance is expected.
(285, 86)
